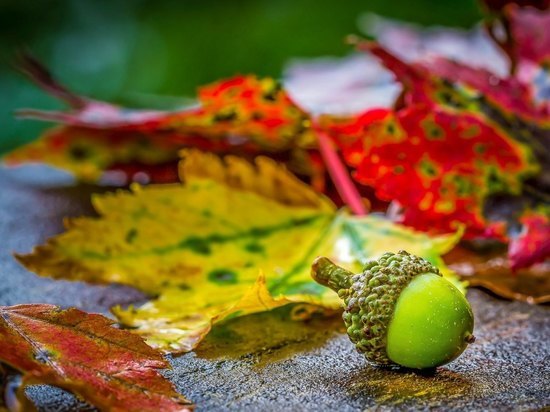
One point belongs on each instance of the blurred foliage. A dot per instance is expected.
(154, 53)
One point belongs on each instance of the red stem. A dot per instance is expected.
(339, 174)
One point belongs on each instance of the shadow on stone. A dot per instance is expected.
(268, 337)
(388, 385)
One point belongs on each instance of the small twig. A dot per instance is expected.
(339, 175)
(27, 64)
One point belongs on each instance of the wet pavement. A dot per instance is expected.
(266, 362)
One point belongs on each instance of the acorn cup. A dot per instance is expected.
(400, 310)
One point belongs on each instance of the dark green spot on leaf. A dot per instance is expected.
(223, 276)
(131, 235)
(79, 152)
(254, 247)
(197, 245)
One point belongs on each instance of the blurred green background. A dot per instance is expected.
(152, 53)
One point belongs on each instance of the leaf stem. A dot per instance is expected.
(339, 174)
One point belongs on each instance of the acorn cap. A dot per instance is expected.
(370, 296)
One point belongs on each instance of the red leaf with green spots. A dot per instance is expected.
(508, 94)
(251, 108)
(244, 115)
(457, 136)
(437, 165)
(255, 109)
(83, 353)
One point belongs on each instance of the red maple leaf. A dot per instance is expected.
(83, 353)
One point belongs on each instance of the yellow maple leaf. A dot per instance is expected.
(199, 247)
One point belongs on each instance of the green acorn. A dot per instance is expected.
(400, 310)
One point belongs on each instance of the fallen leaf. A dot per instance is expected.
(88, 153)
(83, 353)
(458, 137)
(199, 247)
(448, 164)
(493, 272)
(503, 94)
(181, 230)
(257, 109)
(201, 243)
(167, 325)
(240, 115)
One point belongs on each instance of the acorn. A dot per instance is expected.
(400, 310)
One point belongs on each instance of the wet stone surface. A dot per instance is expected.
(265, 362)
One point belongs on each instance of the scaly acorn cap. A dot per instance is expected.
(370, 296)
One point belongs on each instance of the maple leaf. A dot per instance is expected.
(447, 164)
(240, 115)
(108, 367)
(452, 150)
(507, 95)
(235, 238)
(248, 107)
